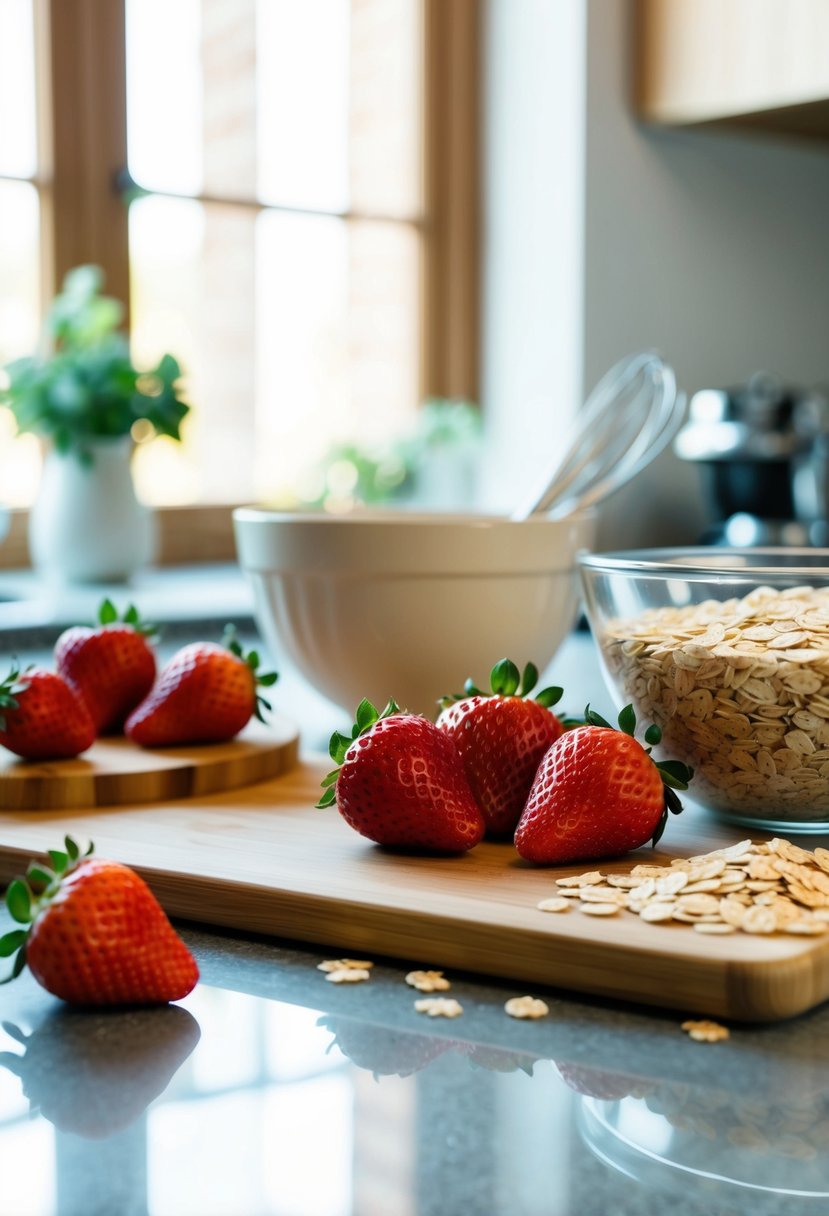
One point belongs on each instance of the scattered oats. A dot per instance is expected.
(759, 920)
(600, 909)
(526, 1007)
(428, 981)
(345, 964)
(705, 1031)
(759, 888)
(557, 904)
(580, 880)
(656, 911)
(348, 975)
(439, 1007)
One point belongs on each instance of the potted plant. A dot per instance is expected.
(83, 394)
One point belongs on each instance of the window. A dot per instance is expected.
(286, 194)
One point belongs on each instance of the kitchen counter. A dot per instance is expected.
(269, 1090)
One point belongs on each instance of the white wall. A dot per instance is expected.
(534, 109)
(713, 248)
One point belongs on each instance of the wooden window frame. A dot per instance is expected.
(82, 179)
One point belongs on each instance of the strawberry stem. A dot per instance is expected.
(366, 716)
(26, 897)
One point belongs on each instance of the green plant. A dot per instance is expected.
(83, 386)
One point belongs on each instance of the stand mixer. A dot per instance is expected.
(763, 451)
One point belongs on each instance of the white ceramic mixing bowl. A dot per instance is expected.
(400, 605)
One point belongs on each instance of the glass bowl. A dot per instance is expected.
(728, 651)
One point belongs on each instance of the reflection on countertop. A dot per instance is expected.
(271, 1091)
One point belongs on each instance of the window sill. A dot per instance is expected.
(185, 534)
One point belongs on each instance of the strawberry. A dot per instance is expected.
(96, 934)
(41, 717)
(501, 738)
(598, 794)
(111, 666)
(400, 781)
(205, 694)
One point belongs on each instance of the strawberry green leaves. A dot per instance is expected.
(264, 679)
(10, 689)
(108, 615)
(505, 680)
(366, 716)
(27, 896)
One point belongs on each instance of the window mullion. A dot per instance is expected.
(84, 146)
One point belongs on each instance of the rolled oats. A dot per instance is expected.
(740, 689)
(428, 981)
(705, 1031)
(792, 896)
(439, 1007)
(526, 1007)
(556, 904)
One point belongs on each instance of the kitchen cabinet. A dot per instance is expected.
(757, 63)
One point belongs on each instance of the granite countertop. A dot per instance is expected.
(270, 1091)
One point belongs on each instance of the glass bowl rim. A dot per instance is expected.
(712, 562)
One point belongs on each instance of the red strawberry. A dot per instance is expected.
(598, 793)
(96, 934)
(111, 666)
(401, 782)
(502, 738)
(41, 717)
(205, 694)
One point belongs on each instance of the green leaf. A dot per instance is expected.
(36, 875)
(131, 616)
(627, 720)
(390, 709)
(529, 679)
(660, 828)
(504, 678)
(253, 660)
(594, 719)
(675, 774)
(653, 734)
(107, 613)
(59, 860)
(19, 901)
(672, 801)
(471, 689)
(12, 941)
(338, 746)
(327, 798)
(548, 697)
(268, 679)
(19, 964)
(366, 715)
(72, 850)
(331, 778)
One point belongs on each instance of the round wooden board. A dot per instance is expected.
(115, 771)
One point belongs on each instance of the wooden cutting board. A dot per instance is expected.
(115, 771)
(265, 860)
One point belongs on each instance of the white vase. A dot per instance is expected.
(87, 525)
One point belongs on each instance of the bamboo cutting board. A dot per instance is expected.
(116, 772)
(265, 861)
